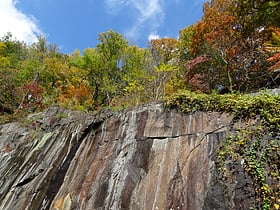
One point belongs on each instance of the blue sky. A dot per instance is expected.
(75, 24)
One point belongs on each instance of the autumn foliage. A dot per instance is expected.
(273, 46)
(32, 97)
(237, 52)
(233, 47)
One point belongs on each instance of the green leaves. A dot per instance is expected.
(255, 147)
(265, 105)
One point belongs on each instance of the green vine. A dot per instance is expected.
(256, 145)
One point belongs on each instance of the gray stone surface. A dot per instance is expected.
(142, 158)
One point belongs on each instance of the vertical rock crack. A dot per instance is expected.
(58, 178)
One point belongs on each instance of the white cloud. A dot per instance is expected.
(149, 9)
(114, 6)
(153, 35)
(148, 15)
(23, 27)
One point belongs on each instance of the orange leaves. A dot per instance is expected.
(232, 52)
(75, 97)
(275, 58)
(274, 47)
(80, 93)
(217, 21)
(220, 33)
(237, 58)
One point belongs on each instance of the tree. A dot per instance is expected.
(110, 52)
(214, 36)
(135, 77)
(164, 50)
(273, 48)
(236, 59)
(164, 67)
(12, 52)
(256, 14)
(104, 66)
(185, 43)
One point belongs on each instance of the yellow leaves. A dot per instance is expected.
(165, 68)
(273, 45)
(276, 36)
(265, 189)
(2, 46)
(4, 61)
(133, 86)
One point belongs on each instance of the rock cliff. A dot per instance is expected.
(143, 158)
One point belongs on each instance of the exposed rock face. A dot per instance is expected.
(143, 158)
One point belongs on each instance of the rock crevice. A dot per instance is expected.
(142, 158)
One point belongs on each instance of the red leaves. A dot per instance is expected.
(200, 59)
(197, 83)
(196, 80)
(237, 56)
(32, 98)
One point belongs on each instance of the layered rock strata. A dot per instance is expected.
(143, 158)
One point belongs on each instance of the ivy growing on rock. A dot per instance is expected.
(255, 147)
